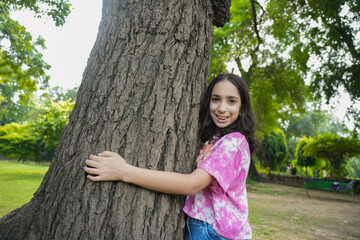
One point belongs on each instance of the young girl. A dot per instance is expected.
(216, 206)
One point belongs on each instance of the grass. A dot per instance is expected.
(18, 183)
(276, 212)
(281, 212)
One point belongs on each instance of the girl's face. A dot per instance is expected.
(225, 103)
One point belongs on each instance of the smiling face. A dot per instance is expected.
(225, 103)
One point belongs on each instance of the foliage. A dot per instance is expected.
(57, 94)
(312, 123)
(275, 149)
(336, 150)
(11, 110)
(21, 65)
(304, 161)
(17, 141)
(276, 84)
(331, 148)
(355, 165)
(330, 38)
(50, 124)
(280, 43)
(38, 139)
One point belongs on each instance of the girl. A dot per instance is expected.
(216, 206)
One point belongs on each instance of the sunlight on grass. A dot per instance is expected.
(18, 183)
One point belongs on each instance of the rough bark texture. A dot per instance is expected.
(139, 97)
(221, 10)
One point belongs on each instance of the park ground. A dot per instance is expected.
(281, 212)
(276, 211)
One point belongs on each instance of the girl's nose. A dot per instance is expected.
(222, 107)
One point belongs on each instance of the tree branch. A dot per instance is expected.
(255, 22)
(347, 38)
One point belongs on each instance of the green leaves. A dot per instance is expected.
(51, 121)
(275, 149)
(299, 40)
(331, 148)
(38, 139)
(21, 63)
(276, 82)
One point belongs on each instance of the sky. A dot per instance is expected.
(69, 46)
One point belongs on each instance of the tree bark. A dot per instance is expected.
(140, 97)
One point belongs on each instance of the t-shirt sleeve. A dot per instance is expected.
(224, 161)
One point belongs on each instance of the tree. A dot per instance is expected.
(21, 65)
(57, 94)
(314, 122)
(275, 149)
(139, 97)
(334, 149)
(276, 83)
(277, 44)
(303, 160)
(311, 124)
(11, 108)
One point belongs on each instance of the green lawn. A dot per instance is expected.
(18, 183)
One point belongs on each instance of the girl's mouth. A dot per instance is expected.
(221, 118)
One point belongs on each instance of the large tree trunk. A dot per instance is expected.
(139, 97)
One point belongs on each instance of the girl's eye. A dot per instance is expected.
(215, 99)
(232, 101)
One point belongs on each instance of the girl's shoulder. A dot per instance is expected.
(233, 136)
(235, 139)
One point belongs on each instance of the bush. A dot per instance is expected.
(335, 150)
(52, 121)
(275, 149)
(36, 140)
(328, 151)
(302, 160)
(49, 125)
(17, 141)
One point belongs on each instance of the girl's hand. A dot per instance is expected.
(109, 166)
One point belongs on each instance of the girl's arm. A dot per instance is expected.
(111, 166)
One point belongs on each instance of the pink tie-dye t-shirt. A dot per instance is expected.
(223, 204)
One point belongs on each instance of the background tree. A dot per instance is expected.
(310, 124)
(22, 69)
(11, 108)
(37, 137)
(139, 97)
(276, 44)
(276, 83)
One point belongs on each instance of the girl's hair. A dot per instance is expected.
(244, 124)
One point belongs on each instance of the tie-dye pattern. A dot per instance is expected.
(223, 203)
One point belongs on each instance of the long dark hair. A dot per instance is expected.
(244, 124)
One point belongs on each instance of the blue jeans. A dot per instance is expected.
(199, 230)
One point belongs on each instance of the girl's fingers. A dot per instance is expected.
(100, 156)
(91, 163)
(94, 178)
(107, 154)
(93, 171)
(95, 158)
